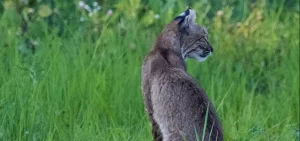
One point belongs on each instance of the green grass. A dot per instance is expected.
(84, 84)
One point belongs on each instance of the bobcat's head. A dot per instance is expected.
(193, 38)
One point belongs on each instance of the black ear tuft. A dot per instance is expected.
(182, 16)
(186, 20)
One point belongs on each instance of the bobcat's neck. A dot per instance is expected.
(168, 45)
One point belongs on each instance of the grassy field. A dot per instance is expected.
(73, 75)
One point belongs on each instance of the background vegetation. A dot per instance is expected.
(70, 70)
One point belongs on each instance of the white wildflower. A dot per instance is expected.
(156, 16)
(81, 4)
(87, 8)
(109, 12)
(220, 13)
(81, 19)
(35, 42)
(95, 10)
(95, 3)
(98, 7)
(30, 10)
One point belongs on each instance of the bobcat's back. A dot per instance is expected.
(175, 103)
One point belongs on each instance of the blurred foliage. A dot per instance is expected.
(245, 21)
(143, 8)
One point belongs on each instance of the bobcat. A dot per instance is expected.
(175, 103)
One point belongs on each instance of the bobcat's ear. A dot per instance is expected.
(186, 19)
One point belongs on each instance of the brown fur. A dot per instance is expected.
(175, 103)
